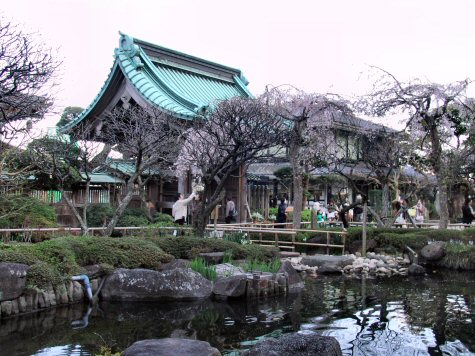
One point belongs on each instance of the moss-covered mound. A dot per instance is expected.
(56, 260)
(189, 247)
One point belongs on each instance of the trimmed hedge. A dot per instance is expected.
(189, 247)
(60, 258)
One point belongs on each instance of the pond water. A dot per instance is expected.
(432, 315)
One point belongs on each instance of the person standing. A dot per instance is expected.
(281, 217)
(467, 212)
(420, 211)
(231, 212)
(179, 208)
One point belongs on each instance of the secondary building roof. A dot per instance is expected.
(174, 82)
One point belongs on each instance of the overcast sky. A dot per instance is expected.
(319, 46)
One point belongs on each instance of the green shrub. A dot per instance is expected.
(56, 253)
(307, 215)
(41, 275)
(26, 209)
(163, 218)
(202, 267)
(132, 220)
(125, 252)
(273, 211)
(97, 214)
(400, 241)
(13, 253)
(65, 256)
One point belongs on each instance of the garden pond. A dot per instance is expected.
(431, 315)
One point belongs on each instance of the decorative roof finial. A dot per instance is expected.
(130, 49)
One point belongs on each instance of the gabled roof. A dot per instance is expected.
(123, 167)
(174, 82)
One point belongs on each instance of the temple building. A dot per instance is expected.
(179, 84)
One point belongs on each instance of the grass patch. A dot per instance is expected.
(459, 256)
(259, 266)
(206, 270)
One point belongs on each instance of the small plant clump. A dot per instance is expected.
(206, 270)
(259, 266)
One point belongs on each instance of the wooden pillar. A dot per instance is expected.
(266, 203)
(160, 195)
(242, 194)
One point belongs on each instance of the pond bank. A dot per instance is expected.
(429, 315)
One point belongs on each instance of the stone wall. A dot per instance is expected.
(15, 298)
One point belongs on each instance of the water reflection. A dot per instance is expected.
(432, 315)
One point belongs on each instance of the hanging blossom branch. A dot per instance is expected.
(310, 135)
(237, 132)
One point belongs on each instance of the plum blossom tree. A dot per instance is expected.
(61, 161)
(436, 115)
(149, 139)
(309, 136)
(27, 69)
(235, 133)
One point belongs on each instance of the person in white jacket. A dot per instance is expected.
(179, 208)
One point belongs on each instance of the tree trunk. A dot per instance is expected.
(204, 211)
(385, 199)
(443, 202)
(438, 167)
(298, 200)
(121, 208)
(86, 205)
(69, 202)
(305, 189)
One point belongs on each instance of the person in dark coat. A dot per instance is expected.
(281, 217)
(467, 212)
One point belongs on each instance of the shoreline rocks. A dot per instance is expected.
(355, 265)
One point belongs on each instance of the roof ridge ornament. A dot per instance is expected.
(130, 49)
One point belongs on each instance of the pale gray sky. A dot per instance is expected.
(315, 45)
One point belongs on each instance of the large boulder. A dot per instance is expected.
(296, 345)
(170, 346)
(147, 285)
(233, 286)
(13, 280)
(416, 270)
(294, 281)
(434, 251)
(327, 262)
(176, 263)
(227, 270)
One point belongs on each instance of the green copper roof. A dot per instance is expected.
(177, 83)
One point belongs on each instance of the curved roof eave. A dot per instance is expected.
(66, 128)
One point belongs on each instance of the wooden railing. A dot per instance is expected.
(266, 230)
